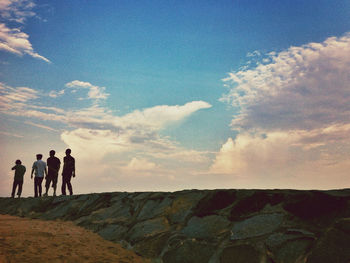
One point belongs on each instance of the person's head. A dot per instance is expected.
(52, 153)
(68, 151)
(18, 162)
(39, 156)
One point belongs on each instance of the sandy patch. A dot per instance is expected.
(33, 240)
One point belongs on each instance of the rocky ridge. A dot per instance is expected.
(212, 226)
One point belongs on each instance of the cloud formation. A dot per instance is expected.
(95, 92)
(302, 88)
(95, 132)
(13, 40)
(293, 114)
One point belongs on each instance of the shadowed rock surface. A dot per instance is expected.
(209, 225)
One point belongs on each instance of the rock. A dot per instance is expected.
(293, 251)
(190, 251)
(254, 203)
(148, 228)
(333, 247)
(154, 208)
(314, 205)
(153, 246)
(256, 226)
(343, 225)
(276, 240)
(93, 203)
(214, 201)
(241, 254)
(113, 232)
(65, 210)
(208, 227)
(118, 212)
(182, 206)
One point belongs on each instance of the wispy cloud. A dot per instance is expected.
(13, 39)
(10, 134)
(12, 98)
(40, 126)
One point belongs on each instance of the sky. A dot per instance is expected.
(171, 95)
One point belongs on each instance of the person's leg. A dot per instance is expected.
(47, 185)
(54, 184)
(40, 184)
(14, 185)
(20, 184)
(69, 185)
(64, 182)
(35, 186)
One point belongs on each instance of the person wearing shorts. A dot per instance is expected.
(53, 164)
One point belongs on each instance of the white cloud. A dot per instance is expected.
(13, 40)
(55, 94)
(141, 164)
(16, 10)
(303, 87)
(159, 116)
(293, 117)
(101, 131)
(95, 92)
(248, 154)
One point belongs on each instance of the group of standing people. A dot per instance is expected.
(48, 170)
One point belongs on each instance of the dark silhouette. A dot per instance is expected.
(39, 167)
(18, 179)
(68, 172)
(53, 165)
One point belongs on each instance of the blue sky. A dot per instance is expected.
(167, 95)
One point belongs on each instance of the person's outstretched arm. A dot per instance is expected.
(13, 168)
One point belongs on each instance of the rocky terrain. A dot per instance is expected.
(239, 226)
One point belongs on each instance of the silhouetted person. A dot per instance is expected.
(39, 167)
(18, 179)
(68, 172)
(53, 165)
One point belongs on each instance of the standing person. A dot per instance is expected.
(39, 166)
(53, 164)
(68, 172)
(18, 180)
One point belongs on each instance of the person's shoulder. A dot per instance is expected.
(56, 158)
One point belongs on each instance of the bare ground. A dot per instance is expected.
(33, 240)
